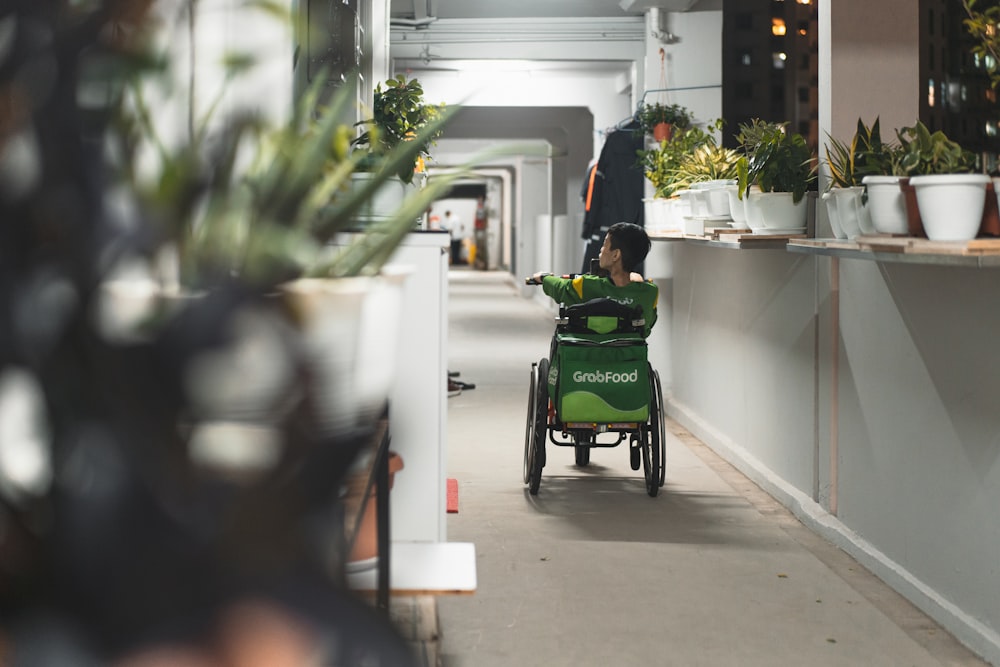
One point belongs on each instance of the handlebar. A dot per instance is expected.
(530, 280)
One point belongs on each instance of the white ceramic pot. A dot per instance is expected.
(695, 200)
(715, 197)
(951, 205)
(678, 210)
(776, 212)
(886, 205)
(388, 199)
(378, 352)
(737, 210)
(849, 212)
(833, 215)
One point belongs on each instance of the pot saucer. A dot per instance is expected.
(780, 232)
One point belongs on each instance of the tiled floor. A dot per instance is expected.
(592, 571)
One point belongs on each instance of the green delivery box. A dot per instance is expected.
(600, 379)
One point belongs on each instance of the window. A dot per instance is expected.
(803, 28)
(745, 58)
(777, 94)
(743, 21)
(778, 60)
(778, 27)
(744, 90)
(803, 94)
(930, 56)
(930, 93)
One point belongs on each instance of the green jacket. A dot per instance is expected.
(585, 287)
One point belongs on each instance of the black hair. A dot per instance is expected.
(632, 241)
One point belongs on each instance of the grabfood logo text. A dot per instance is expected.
(597, 377)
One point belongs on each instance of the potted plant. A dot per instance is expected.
(864, 196)
(662, 166)
(710, 169)
(950, 196)
(779, 168)
(662, 120)
(399, 113)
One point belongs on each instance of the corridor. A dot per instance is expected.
(593, 572)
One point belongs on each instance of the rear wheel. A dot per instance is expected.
(541, 426)
(582, 455)
(650, 463)
(529, 426)
(656, 423)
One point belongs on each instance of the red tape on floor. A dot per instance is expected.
(452, 495)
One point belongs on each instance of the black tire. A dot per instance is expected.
(656, 422)
(582, 455)
(634, 452)
(541, 430)
(650, 463)
(529, 426)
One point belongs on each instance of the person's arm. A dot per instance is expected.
(651, 316)
(563, 290)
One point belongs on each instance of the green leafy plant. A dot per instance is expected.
(774, 160)
(924, 152)
(651, 115)
(272, 220)
(866, 155)
(982, 26)
(709, 162)
(663, 165)
(399, 113)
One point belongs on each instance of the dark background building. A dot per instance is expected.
(770, 65)
(770, 71)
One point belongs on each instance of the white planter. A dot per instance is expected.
(736, 208)
(951, 205)
(676, 211)
(850, 214)
(833, 215)
(715, 197)
(350, 330)
(886, 204)
(657, 214)
(695, 201)
(387, 200)
(776, 213)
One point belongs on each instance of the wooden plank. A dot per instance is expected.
(424, 568)
(884, 243)
(926, 247)
(985, 246)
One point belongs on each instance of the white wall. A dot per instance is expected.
(693, 64)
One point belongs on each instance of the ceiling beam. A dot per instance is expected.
(522, 39)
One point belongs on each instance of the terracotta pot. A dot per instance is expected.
(913, 222)
(991, 214)
(365, 545)
(663, 131)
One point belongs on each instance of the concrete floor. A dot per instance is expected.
(592, 571)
